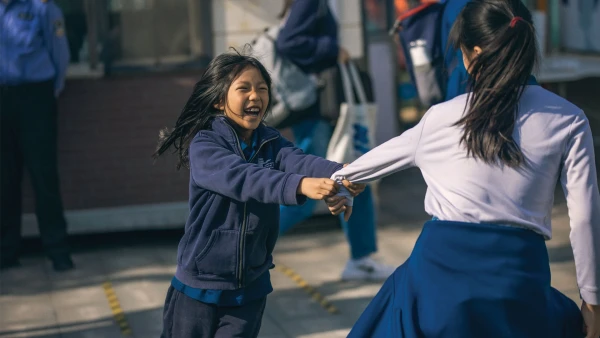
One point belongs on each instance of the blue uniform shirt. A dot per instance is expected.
(33, 43)
(258, 289)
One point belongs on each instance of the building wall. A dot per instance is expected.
(108, 130)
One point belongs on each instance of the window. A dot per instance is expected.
(579, 20)
(136, 35)
(76, 29)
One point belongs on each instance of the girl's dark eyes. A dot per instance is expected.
(246, 88)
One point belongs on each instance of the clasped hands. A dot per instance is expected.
(337, 203)
(327, 190)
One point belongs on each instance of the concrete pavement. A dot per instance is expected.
(118, 289)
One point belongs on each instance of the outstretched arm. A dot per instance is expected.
(580, 185)
(216, 168)
(293, 160)
(392, 156)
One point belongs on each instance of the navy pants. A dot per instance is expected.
(185, 317)
(28, 120)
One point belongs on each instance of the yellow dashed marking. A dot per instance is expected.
(115, 308)
(312, 292)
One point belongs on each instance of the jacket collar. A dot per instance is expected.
(224, 127)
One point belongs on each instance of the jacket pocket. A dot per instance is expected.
(219, 256)
(256, 249)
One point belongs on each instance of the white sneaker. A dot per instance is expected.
(366, 269)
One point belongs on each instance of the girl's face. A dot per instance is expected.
(247, 101)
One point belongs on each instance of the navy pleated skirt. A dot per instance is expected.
(472, 280)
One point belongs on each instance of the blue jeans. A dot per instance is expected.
(312, 136)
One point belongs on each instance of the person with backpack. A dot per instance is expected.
(437, 72)
(491, 160)
(458, 77)
(309, 39)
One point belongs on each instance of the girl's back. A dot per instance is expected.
(491, 160)
(495, 275)
(548, 130)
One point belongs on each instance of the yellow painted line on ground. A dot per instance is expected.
(115, 308)
(312, 292)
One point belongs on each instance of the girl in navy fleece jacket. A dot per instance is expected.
(240, 171)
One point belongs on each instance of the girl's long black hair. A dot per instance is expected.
(199, 111)
(504, 31)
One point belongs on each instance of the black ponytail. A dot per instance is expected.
(199, 111)
(504, 31)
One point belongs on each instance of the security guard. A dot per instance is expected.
(34, 56)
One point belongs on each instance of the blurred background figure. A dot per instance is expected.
(458, 77)
(309, 39)
(35, 54)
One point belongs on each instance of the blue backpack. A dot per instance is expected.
(419, 30)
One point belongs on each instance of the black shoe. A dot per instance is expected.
(9, 263)
(62, 263)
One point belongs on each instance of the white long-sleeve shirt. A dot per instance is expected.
(555, 138)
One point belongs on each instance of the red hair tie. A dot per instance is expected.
(514, 20)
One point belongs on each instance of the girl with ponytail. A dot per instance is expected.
(491, 159)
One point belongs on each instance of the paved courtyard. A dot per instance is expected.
(119, 285)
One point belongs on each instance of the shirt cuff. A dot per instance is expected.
(590, 297)
(345, 193)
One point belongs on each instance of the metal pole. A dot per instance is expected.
(205, 25)
(555, 25)
(92, 36)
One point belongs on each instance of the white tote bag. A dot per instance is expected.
(354, 133)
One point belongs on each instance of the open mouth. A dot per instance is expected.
(252, 111)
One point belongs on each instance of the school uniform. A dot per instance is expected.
(481, 268)
(223, 260)
(34, 56)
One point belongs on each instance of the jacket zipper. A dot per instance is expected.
(241, 245)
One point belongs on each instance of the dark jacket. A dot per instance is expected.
(234, 204)
(458, 77)
(308, 40)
